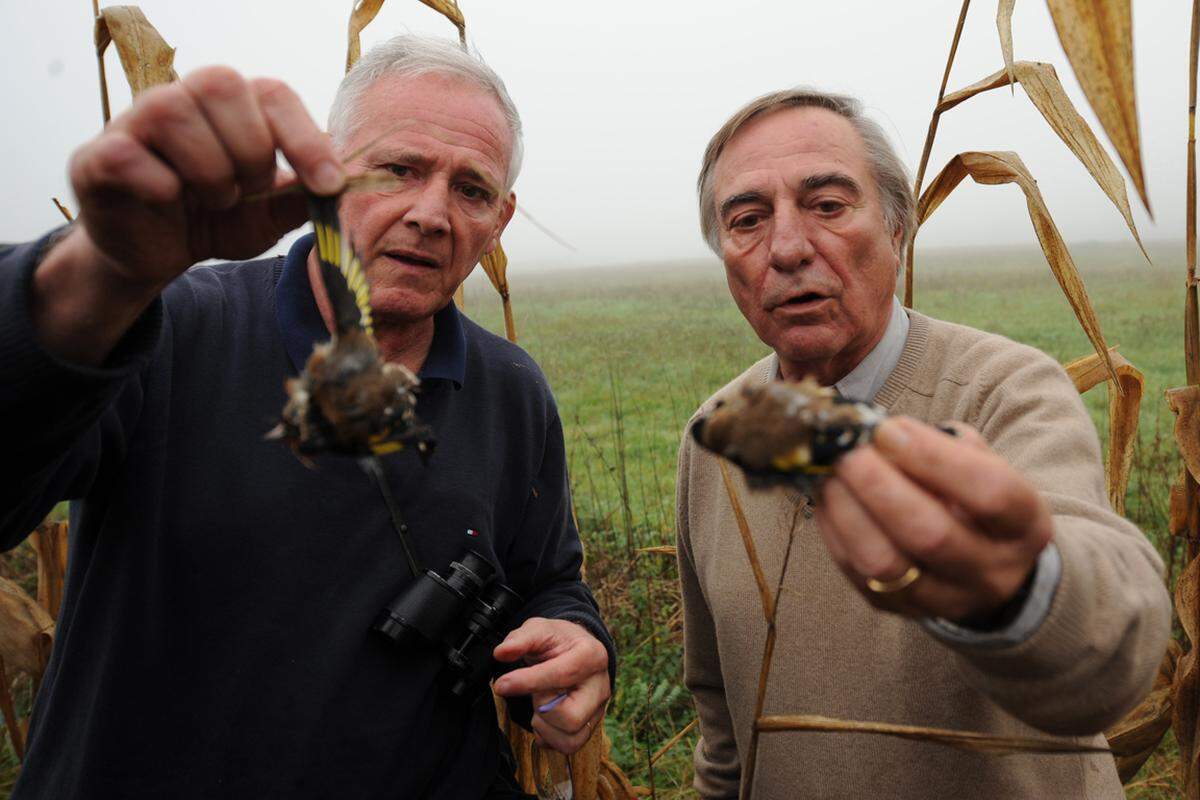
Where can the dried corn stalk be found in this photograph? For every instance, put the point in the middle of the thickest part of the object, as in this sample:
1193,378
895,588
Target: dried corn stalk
960,740
1097,36
929,137
495,264
1136,737
674,740
1006,167
1124,408
1041,83
146,58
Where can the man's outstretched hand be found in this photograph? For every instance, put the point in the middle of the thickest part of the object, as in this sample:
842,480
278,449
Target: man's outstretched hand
563,658
185,174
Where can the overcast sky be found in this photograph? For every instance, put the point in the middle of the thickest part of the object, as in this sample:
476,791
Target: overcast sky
620,97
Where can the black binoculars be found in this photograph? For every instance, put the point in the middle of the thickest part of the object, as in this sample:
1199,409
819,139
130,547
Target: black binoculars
465,613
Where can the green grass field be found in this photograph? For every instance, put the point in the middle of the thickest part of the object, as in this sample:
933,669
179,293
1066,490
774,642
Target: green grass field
631,352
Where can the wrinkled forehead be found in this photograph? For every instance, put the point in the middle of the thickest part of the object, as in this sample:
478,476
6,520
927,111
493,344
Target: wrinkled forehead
440,108
788,145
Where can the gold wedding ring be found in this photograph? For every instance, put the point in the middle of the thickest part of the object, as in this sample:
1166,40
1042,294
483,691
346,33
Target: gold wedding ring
895,584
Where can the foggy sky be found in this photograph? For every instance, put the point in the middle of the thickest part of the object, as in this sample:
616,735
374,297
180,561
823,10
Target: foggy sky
619,98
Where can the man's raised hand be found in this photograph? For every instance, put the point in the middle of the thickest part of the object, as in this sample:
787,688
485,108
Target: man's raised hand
971,524
183,175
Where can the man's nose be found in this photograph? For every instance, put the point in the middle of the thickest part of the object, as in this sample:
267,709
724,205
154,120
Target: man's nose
430,209
791,245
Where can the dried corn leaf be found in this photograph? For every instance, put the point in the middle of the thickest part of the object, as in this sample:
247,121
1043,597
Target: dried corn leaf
538,767
659,550
24,629
1044,89
146,58
66,212
961,740
460,298
1185,694
1004,25
1006,167
1124,408
1185,402
616,784
584,769
450,10
495,264
1136,737
50,543
360,17
1184,519
1097,36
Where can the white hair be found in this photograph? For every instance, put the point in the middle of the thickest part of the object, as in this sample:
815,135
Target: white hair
409,55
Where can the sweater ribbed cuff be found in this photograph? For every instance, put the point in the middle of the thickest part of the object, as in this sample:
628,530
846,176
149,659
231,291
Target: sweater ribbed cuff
1033,612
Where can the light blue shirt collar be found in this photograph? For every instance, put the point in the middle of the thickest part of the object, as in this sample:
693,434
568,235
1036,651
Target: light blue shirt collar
864,381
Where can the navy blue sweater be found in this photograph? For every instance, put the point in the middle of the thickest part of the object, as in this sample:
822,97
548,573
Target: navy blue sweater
214,639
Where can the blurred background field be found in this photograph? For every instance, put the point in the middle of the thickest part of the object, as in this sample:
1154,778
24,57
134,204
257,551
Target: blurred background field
631,350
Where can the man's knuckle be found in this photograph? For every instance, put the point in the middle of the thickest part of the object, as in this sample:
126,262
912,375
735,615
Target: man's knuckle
271,90
162,106
216,83
994,499
931,538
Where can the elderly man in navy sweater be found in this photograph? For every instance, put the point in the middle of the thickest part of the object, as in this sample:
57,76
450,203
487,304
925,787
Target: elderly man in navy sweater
215,638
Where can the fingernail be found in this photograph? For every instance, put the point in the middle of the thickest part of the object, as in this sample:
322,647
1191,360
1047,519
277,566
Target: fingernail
891,436
327,178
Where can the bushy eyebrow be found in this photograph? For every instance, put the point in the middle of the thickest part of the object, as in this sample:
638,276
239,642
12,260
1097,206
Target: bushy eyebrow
823,179
740,199
810,184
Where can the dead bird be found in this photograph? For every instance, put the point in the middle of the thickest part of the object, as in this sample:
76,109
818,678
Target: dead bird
348,400
785,433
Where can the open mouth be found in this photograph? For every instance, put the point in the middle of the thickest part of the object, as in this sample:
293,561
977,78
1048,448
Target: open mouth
806,299
412,259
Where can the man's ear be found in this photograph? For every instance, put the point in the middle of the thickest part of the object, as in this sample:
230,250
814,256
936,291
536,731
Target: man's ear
897,240
506,214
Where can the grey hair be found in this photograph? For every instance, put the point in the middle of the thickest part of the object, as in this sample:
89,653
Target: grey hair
891,178
409,55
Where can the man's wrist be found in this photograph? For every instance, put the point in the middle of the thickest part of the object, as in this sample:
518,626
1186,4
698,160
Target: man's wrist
80,303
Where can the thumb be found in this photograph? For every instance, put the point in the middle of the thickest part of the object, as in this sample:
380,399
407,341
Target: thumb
528,638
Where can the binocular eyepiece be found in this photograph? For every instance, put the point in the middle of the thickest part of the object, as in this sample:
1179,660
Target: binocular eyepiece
466,613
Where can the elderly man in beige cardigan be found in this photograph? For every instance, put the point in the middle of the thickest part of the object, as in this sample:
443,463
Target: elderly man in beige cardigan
978,582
